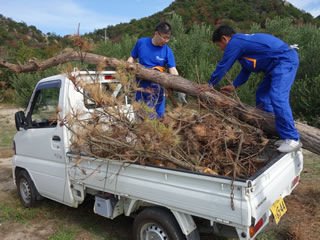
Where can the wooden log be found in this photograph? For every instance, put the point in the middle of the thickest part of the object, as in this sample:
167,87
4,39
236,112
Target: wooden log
310,136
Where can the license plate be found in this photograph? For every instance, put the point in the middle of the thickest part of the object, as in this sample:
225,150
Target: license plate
278,209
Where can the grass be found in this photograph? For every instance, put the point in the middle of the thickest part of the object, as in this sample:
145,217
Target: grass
68,223
13,211
64,233
311,171
267,236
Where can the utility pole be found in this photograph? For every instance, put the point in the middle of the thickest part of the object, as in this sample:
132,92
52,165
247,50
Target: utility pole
105,36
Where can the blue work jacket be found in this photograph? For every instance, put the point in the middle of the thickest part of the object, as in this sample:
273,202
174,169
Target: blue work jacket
258,52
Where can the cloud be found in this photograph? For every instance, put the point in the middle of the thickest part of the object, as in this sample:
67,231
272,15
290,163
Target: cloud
310,6
62,16
315,11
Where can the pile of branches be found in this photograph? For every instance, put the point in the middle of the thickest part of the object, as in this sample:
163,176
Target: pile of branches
191,137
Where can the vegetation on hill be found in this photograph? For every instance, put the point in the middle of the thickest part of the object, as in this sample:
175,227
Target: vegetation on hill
19,42
240,13
11,31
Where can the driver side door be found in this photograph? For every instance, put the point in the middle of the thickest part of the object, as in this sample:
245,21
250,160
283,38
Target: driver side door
40,144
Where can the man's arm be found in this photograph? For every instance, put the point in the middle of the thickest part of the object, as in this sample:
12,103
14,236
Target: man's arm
242,77
231,54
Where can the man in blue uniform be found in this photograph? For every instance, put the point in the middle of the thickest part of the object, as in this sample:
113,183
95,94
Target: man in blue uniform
154,53
279,62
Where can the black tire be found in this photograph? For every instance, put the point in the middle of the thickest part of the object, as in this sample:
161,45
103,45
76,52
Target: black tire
27,191
156,223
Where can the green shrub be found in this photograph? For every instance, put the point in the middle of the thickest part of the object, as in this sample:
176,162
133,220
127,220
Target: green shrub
194,52
305,100
7,95
24,84
120,50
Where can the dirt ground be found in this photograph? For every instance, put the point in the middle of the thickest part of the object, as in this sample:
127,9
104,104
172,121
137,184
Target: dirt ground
301,222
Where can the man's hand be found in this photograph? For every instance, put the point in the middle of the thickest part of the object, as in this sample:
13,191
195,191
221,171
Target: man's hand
131,60
227,89
182,98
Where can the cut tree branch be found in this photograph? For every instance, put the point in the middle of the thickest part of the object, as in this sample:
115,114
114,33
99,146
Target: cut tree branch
310,136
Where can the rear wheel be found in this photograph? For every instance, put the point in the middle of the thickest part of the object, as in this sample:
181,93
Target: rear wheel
26,189
156,224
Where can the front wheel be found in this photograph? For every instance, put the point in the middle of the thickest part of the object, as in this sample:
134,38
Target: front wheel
26,189
157,224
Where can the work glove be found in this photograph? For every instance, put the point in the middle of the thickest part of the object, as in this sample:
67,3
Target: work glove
182,98
294,46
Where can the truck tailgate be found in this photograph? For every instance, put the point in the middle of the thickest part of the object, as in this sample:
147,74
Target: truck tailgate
276,180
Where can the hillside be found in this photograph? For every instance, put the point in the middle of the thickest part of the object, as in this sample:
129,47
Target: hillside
18,41
11,32
239,13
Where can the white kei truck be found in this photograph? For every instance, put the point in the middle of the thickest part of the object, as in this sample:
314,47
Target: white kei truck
166,203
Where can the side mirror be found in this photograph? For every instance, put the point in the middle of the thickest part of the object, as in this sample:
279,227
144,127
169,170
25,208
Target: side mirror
20,119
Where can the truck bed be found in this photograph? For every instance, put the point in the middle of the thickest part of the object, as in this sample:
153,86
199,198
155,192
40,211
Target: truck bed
202,195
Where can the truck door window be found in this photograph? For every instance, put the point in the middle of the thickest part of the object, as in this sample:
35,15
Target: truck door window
44,109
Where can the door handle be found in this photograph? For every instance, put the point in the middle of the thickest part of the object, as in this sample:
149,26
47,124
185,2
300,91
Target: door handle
56,138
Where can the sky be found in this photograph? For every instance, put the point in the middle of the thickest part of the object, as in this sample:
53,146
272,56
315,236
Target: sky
62,17
310,6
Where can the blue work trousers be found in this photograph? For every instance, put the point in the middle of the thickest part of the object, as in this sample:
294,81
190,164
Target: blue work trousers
154,98
273,94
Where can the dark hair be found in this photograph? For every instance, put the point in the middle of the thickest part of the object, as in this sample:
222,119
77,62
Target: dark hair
222,30
163,27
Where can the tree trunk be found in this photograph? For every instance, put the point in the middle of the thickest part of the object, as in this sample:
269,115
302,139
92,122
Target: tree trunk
310,136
